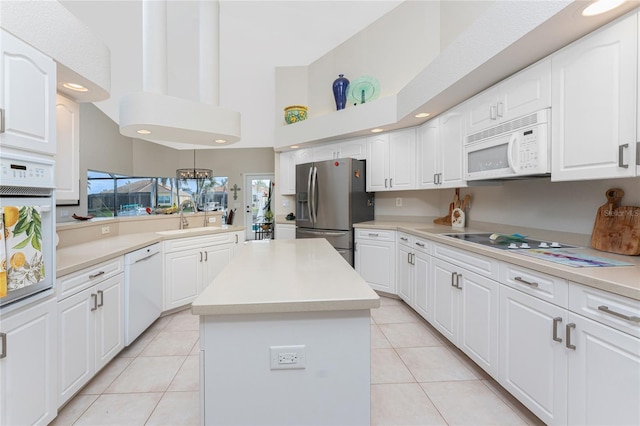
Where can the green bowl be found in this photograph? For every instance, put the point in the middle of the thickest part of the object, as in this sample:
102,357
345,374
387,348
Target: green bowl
295,113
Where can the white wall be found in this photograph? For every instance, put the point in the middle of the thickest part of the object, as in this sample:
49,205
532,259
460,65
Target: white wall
536,203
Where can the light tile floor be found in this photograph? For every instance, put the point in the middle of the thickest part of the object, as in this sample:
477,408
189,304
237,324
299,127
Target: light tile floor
417,378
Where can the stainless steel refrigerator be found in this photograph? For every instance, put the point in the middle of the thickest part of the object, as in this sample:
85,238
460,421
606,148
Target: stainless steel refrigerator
330,198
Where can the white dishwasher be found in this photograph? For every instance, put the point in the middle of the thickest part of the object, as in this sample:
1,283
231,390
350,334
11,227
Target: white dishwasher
142,290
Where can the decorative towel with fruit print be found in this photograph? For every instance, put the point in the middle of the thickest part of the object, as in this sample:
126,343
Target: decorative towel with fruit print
23,246
3,260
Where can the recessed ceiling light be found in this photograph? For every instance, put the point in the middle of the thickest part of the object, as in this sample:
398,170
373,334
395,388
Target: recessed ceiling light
143,132
221,141
377,130
294,146
601,6
422,115
75,87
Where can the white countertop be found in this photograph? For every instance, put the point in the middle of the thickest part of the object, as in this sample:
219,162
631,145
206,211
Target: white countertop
622,280
282,276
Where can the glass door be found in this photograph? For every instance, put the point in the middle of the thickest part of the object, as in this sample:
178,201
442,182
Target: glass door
259,203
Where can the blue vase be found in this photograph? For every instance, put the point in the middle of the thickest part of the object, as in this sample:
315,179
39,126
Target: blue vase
340,91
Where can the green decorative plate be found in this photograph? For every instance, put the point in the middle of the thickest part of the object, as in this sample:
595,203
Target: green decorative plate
363,89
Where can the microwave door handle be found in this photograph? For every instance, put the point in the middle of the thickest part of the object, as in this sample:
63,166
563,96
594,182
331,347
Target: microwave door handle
513,163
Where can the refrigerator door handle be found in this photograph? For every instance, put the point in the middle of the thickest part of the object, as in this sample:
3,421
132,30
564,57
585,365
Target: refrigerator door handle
314,187
309,194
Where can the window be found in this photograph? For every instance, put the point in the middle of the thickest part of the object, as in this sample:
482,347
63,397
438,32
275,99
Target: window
110,194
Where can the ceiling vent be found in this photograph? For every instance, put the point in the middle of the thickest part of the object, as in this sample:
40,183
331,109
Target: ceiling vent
152,114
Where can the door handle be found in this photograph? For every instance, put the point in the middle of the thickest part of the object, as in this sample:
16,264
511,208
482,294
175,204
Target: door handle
95,301
493,114
200,256
568,334
3,349
556,321
385,182
1,120
101,302
453,279
500,110
391,183
236,238
621,156
206,256
458,276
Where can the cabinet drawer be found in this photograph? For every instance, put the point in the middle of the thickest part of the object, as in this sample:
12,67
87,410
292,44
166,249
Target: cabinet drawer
405,239
376,234
474,262
78,281
619,312
543,286
421,245
197,242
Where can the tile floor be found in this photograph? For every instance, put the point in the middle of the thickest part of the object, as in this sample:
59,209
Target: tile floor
417,378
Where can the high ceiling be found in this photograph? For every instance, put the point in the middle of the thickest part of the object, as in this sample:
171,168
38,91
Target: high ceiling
255,37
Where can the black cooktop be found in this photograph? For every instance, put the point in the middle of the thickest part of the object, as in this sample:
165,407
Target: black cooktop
507,242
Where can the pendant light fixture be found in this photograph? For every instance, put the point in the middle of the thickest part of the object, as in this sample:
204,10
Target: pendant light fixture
194,173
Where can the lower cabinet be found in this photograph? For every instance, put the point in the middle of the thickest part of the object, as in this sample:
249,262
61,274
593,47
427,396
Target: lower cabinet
375,258
413,268
190,264
91,333
285,231
28,365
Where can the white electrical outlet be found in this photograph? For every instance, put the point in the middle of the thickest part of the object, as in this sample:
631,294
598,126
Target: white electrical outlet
398,202
64,213
212,220
105,230
288,357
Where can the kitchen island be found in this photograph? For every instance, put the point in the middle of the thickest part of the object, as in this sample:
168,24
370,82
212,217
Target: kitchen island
285,338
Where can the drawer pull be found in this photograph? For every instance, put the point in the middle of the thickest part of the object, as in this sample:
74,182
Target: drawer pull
101,302
606,309
556,321
3,337
404,238
420,245
371,234
95,302
97,274
621,156
529,283
568,334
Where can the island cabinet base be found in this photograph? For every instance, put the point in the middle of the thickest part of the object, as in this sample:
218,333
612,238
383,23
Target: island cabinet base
239,387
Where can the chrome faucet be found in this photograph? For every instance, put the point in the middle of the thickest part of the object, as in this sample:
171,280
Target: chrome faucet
183,220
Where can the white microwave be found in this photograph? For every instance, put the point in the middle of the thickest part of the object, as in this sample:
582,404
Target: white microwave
513,149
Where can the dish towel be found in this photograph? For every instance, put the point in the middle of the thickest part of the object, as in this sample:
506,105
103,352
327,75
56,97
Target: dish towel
22,258
3,259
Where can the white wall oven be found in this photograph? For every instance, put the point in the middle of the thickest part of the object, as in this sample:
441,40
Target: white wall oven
27,228
511,150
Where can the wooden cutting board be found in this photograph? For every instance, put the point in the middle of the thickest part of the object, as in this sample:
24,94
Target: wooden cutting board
617,228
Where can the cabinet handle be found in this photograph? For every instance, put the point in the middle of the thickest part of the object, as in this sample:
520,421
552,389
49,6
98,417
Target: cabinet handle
638,153
493,115
97,274
1,120
355,246
3,338
500,112
606,309
95,302
371,234
458,286
200,256
529,283
404,238
435,178
236,238
556,321
453,279
568,333
621,156
439,178
391,183
385,182
101,302
409,258
413,258
420,245
206,256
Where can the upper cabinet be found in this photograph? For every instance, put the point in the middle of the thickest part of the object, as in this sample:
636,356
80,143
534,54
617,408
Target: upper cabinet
524,93
594,110
27,97
439,150
68,151
391,164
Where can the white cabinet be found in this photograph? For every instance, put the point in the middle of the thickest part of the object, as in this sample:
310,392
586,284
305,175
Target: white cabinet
375,258
391,164
465,302
326,152
190,264
524,93
594,109
28,365
68,151
287,178
533,365
285,231
90,324
413,269
27,97
439,151
352,148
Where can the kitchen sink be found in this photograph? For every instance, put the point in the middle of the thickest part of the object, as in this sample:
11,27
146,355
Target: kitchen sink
202,229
